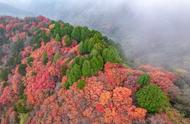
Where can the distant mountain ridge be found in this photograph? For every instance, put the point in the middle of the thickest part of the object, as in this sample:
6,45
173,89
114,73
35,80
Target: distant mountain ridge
6,9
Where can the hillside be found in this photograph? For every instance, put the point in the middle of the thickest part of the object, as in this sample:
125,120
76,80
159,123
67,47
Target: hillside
54,73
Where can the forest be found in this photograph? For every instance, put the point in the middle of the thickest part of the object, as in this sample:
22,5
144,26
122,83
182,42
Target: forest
52,72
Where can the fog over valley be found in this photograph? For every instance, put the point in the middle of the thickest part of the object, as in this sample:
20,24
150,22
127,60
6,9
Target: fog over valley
94,61
155,32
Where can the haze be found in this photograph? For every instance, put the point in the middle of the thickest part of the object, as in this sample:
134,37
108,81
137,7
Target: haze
149,31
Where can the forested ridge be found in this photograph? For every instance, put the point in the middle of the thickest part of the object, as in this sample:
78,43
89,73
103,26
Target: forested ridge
52,72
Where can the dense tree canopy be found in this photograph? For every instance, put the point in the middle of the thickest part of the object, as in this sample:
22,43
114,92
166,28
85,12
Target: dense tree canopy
53,72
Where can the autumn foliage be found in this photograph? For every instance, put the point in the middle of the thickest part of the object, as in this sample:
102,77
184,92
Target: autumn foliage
53,72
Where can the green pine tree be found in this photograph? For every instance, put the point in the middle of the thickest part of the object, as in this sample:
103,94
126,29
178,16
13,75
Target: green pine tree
94,64
81,84
58,38
94,52
45,37
85,33
79,60
76,33
82,47
90,44
100,62
111,54
4,74
77,71
63,70
67,29
73,74
67,40
29,60
22,69
86,68
44,58
56,57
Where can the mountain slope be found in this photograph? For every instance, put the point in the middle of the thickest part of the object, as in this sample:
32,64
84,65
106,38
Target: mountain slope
53,72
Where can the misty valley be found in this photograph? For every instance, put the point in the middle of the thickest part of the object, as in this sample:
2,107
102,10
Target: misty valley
94,62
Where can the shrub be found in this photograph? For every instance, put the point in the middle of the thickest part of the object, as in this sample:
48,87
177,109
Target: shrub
86,68
22,69
144,79
81,84
44,58
29,60
4,74
152,98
